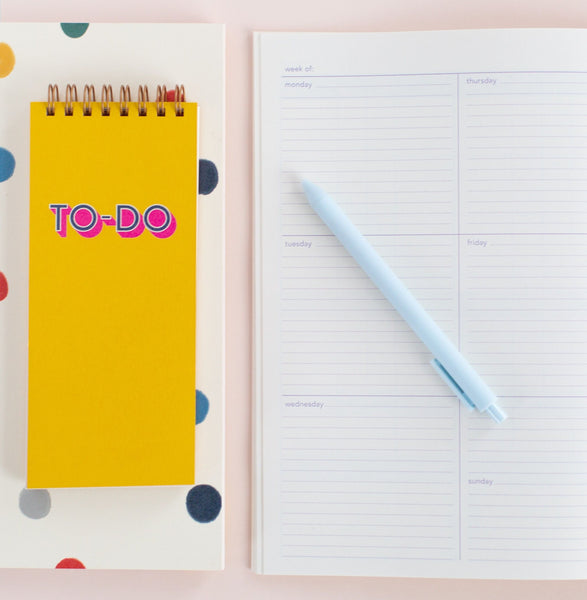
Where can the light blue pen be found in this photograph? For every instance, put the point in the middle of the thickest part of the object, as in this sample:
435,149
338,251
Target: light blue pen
448,361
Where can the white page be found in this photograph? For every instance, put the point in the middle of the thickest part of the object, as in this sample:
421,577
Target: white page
462,157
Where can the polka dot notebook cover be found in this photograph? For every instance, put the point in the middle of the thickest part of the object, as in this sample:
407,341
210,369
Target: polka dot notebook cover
125,443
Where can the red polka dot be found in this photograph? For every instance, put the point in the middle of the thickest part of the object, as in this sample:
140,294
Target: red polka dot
70,563
3,286
170,97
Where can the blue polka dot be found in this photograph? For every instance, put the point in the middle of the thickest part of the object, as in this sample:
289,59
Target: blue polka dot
203,503
7,164
74,30
202,406
208,176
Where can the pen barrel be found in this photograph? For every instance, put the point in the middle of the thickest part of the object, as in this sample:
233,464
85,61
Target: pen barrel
403,301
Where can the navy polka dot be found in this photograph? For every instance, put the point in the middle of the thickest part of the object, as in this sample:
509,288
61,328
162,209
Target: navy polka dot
203,503
34,504
74,30
7,164
208,176
202,406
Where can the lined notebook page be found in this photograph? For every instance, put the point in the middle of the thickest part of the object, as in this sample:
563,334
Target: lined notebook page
524,300
469,178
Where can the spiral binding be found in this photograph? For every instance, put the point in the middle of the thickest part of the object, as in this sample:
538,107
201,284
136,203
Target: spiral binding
107,98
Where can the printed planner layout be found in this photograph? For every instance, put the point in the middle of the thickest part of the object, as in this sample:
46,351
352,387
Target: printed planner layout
472,187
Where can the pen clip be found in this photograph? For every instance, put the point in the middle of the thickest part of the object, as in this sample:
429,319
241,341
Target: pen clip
449,380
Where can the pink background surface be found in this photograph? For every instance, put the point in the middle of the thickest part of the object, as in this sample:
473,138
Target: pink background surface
242,17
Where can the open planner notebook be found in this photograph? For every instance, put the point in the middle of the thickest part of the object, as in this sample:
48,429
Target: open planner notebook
112,383
462,157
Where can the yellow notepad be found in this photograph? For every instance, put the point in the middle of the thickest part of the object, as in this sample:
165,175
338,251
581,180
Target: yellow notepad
112,295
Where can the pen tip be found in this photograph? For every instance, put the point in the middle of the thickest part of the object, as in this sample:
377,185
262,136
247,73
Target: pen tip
497,413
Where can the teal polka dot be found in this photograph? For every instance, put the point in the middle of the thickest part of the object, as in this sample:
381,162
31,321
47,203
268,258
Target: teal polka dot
7,164
202,406
74,30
